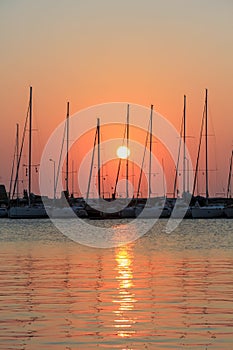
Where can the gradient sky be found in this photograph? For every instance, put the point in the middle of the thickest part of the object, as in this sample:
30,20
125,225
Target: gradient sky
90,52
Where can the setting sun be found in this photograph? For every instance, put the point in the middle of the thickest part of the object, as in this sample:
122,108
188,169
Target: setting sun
123,152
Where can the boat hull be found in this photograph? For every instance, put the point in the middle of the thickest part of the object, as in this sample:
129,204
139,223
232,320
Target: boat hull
128,212
228,212
180,213
27,213
207,212
3,213
152,212
66,213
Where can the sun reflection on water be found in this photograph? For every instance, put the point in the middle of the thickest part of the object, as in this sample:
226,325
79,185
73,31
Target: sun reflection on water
126,299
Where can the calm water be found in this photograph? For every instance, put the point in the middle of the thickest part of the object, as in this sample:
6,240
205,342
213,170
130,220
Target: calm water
164,291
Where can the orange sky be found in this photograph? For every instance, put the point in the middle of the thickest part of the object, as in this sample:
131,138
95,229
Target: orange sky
95,52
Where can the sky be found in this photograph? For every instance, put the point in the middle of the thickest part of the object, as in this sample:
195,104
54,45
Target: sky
93,52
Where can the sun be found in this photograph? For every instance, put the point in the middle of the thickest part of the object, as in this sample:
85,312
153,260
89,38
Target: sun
123,152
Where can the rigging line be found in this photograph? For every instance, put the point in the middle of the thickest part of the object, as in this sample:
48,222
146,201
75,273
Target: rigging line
198,154
37,128
213,145
60,157
103,166
143,159
178,160
92,162
12,170
21,151
119,166
229,178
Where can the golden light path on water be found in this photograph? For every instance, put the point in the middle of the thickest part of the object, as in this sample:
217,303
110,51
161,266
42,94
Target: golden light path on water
126,298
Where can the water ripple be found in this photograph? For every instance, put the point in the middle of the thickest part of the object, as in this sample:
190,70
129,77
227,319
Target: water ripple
164,291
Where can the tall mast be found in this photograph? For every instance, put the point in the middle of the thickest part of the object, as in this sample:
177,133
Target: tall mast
67,148
164,193
92,162
195,181
206,143
184,140
175,189
30,148
150,159
229,178
72,178
127,159
98,142
17,157
143,159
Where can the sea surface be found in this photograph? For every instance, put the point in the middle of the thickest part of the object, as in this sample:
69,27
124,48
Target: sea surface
162,291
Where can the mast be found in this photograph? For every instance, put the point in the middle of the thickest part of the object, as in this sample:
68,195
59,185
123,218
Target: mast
206,143
126,134
175,189
127,159
133,176
184,140
98,142
17,157
143,159
229,177
15,160
92,162
150,159
195,181
30,148
187,175
72,184
67,148
102,180
21,147
163,179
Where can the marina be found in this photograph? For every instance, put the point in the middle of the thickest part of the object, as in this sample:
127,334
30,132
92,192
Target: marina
188,205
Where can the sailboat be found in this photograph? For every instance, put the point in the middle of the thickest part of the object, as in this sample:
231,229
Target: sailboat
31,210
64,210
206,211
91,205
155,210
128,211
181,204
